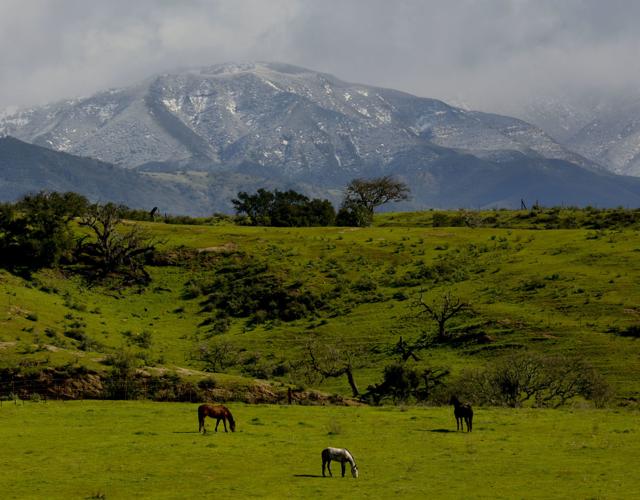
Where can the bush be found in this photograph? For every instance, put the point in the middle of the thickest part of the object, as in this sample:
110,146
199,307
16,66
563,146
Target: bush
630,331
142,339
243,288
284,209
207,383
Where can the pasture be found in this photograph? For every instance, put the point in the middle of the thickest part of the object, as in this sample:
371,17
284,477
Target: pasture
132,449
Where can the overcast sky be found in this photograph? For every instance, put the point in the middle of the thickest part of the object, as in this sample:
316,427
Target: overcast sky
492,54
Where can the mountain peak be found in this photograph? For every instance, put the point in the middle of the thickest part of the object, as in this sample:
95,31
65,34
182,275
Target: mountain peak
285,125
283,116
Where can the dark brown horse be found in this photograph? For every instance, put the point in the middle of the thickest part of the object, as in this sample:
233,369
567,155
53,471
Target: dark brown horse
462,411
218,412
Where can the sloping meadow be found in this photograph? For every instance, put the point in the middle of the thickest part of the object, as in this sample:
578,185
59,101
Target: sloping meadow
261,302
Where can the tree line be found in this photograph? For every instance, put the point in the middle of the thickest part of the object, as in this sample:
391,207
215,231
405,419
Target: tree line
36,231
292,209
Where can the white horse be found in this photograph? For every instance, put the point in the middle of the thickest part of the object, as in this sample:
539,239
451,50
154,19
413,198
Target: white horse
341,455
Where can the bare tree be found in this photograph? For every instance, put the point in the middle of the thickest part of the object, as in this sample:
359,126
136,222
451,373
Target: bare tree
114,247
442,310
216,356
407,350
401,382
329,362
546,381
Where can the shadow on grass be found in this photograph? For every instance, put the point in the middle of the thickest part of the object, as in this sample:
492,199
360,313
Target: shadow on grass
308,475
437,430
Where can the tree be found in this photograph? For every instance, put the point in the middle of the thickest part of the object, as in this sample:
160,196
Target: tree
543,380
400,382
351,214
34,232
441,311
114,249
284,209
365,195
216,355
257,206
329,362
408,350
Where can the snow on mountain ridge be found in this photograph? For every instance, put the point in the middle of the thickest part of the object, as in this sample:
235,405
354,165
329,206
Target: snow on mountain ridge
270,114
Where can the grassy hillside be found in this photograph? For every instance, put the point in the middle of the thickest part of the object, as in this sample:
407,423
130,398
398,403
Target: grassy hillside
152,450
555,291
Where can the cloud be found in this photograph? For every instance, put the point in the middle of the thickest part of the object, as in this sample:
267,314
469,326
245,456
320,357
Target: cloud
492,53
64,48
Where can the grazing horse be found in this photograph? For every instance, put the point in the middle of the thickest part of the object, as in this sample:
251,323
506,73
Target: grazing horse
462,411
341,455
218,412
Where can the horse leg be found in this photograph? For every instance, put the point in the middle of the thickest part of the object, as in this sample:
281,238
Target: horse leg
217,423
343,468
224,422
324,463
329,468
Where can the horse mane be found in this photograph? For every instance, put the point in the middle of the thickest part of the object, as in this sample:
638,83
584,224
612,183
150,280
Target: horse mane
351,455
229,416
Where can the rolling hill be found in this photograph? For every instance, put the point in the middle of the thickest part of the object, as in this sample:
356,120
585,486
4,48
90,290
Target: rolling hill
246,302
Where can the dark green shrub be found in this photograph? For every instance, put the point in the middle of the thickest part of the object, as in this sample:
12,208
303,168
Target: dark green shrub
244,288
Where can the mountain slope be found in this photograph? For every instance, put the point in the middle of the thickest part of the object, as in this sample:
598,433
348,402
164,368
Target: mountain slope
27,168
272,114
244,126
613,138
601,126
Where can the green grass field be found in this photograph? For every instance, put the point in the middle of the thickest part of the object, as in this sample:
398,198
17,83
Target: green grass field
90,449
540,285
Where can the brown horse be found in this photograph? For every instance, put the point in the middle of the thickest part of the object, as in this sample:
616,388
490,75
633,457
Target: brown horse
462,411
218,412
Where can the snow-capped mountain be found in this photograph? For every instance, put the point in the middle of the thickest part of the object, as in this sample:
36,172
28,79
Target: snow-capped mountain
613,138
269,114
243,126
603,126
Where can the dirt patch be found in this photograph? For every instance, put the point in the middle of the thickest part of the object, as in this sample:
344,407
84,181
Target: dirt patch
18,311
226,248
